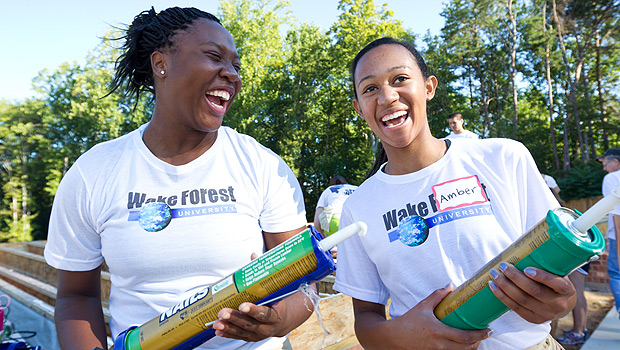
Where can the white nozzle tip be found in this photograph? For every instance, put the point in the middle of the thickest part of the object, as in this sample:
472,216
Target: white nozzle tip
363,228
332,240
597,211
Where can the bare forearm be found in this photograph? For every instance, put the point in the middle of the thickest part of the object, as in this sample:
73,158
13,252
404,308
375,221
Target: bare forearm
299,307
79,323
374,331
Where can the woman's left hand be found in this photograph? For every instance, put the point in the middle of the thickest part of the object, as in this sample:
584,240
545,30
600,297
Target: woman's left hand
536,295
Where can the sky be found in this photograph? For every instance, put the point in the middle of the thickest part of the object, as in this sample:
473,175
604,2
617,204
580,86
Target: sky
43,34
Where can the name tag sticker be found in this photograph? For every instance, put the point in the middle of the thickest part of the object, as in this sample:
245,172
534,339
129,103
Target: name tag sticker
459,193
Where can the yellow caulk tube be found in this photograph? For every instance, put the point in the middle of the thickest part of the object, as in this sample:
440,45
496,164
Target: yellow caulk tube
560,244
302,259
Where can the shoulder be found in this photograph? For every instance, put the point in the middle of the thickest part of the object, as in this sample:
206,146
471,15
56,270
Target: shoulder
368,189
491,145
471,134
612,177
105,155
245,143
500,154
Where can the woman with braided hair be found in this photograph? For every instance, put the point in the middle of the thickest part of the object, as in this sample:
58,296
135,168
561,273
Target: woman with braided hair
177,204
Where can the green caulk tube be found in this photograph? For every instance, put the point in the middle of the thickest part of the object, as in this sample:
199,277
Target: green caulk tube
560,244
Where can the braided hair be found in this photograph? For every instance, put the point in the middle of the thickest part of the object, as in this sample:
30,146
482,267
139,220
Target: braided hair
149,31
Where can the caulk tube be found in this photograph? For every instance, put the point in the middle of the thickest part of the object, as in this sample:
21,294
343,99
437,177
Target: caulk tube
302,259
559,244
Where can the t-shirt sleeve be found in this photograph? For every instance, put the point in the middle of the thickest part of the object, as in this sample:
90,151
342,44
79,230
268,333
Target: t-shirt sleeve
610,183
551,183
73,243
356,274
322,202
283,208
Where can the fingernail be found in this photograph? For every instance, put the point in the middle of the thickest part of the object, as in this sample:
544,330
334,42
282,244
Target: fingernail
448,285
490,332
503,266
245,308
493,273
492,285
530,271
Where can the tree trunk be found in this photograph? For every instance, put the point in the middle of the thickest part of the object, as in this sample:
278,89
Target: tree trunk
513,65
589,140
550,91
601,101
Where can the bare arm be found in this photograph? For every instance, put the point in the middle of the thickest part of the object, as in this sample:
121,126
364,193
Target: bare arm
79,316
556,193
317,221
255,323
418,328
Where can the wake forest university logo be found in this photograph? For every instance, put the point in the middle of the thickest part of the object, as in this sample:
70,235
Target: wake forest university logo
154,214
451,200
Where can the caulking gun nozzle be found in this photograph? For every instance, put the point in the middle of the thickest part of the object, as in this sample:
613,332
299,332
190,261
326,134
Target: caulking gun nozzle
332,240
597,211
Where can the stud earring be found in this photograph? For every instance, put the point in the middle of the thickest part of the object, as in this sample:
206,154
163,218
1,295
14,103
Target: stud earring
162,72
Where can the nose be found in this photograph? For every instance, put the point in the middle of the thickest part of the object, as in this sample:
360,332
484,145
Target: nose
230,73
387,95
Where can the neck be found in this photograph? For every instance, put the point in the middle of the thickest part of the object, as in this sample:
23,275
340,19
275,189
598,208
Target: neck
176,145
417,156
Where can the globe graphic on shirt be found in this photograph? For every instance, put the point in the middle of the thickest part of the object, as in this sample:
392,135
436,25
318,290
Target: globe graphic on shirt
412,230
154,216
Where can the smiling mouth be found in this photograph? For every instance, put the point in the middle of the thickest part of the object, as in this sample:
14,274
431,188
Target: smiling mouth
394,119
218,98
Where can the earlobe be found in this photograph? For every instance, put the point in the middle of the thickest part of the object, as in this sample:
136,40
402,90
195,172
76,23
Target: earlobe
158,63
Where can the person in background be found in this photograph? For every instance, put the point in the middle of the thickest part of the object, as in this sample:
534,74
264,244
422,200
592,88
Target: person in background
555,189
578,334
611,181
177,204
329,206
455,121
437,211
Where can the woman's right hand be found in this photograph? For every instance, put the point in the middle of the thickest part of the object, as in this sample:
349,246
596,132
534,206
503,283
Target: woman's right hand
418,328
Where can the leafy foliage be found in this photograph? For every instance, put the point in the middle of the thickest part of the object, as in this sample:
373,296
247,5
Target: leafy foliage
296,96
582,181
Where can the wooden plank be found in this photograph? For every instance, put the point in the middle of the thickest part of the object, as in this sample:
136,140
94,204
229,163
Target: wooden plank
30,264
39,306
27,282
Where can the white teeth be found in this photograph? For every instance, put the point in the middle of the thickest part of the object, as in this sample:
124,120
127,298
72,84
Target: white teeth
393,116
224,95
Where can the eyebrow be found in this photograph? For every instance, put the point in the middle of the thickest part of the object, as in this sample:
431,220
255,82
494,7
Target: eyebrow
389,70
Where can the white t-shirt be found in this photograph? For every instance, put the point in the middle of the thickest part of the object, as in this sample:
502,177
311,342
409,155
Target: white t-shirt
476,200
610,182
209,221
464,134
334,196
550,181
